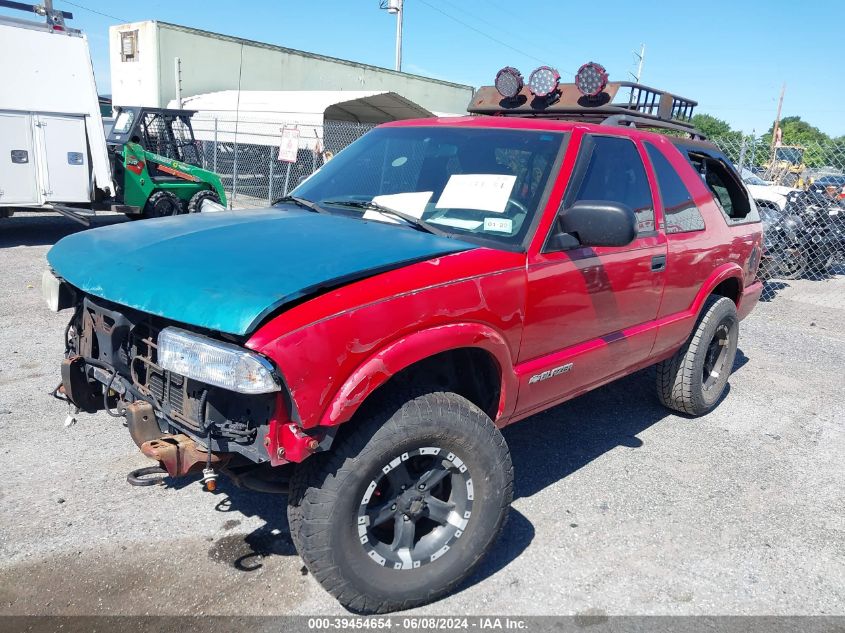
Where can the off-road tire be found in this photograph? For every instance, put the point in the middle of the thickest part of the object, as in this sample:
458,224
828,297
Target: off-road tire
163,204
680,379
327,497
195,203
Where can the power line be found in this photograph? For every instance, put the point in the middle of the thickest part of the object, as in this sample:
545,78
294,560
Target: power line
482,33
105,15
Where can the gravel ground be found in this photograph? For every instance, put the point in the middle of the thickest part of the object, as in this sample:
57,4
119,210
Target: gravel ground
621,508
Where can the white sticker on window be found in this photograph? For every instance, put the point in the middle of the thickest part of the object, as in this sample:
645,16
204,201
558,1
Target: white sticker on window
501,225
469,225
485,192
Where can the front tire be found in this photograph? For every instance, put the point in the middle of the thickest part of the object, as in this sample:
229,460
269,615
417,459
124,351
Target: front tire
694,379
405,505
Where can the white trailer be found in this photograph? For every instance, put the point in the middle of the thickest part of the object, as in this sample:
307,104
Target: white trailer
53,151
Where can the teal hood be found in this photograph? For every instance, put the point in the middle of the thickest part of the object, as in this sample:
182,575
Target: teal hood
227,271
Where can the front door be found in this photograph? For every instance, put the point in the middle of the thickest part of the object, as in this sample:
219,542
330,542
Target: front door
590,310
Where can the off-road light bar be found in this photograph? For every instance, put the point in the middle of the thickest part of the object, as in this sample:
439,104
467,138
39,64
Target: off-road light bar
215,363
591,79
509,82
543,81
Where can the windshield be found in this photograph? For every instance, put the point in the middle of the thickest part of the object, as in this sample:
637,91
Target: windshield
791,155
470,182
124,121
750,178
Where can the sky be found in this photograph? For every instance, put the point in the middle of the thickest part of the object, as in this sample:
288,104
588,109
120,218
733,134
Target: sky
730,56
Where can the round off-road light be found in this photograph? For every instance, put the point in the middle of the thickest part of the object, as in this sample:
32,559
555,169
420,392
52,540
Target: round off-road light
591,79
543,81
509,82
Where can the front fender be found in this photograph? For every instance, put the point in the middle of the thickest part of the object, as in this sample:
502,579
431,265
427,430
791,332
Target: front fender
407,350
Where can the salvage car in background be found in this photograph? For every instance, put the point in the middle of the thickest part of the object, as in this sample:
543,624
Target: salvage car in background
764,193
368,336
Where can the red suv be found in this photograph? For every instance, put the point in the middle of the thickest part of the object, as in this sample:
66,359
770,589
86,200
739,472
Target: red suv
360,344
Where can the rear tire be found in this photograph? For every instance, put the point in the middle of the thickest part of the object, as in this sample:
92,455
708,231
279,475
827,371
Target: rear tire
694,379
378,547
195,203
163,204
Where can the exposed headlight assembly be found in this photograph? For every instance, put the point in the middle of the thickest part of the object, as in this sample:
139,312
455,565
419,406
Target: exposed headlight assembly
220,364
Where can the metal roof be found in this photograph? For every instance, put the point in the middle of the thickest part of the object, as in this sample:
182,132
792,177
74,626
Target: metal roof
260,114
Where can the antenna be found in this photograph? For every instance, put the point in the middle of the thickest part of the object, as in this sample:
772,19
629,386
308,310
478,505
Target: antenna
396,7
641,57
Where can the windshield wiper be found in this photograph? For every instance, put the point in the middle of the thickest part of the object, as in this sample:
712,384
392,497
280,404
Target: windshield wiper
301,202
417,223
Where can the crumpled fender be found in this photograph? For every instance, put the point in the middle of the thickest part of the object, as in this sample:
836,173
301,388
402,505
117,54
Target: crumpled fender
406,351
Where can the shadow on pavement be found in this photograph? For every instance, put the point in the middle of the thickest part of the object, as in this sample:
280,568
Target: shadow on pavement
42,229
545,449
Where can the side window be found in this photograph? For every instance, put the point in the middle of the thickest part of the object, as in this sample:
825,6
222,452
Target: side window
730,195
615,173
679,210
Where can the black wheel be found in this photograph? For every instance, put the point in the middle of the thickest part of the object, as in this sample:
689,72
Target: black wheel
405,505
195,203
162,204
794,263
694,379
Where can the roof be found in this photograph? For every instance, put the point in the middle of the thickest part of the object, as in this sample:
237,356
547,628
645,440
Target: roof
240,40
551,125
260,114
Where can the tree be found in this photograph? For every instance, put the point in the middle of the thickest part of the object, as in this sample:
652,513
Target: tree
721,133
816,143
714,127
798,132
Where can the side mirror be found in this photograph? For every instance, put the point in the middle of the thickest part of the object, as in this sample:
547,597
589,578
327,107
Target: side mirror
594,223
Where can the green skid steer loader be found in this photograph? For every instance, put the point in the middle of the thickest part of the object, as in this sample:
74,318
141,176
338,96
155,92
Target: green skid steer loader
155,164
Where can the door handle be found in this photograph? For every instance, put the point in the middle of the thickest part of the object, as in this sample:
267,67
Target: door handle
658,263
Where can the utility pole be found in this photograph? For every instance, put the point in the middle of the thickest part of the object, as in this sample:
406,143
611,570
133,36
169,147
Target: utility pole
396,7
776,129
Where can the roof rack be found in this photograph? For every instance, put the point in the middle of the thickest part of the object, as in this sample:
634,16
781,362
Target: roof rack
54,18
645,106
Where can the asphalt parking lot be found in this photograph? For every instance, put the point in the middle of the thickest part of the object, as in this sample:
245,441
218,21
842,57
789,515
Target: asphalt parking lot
621,507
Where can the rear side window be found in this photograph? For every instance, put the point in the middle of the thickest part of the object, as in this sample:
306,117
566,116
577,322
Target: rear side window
681,214
725,186
615,173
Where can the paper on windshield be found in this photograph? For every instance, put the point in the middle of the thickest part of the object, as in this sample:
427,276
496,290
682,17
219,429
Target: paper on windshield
411,203
469,225
485,192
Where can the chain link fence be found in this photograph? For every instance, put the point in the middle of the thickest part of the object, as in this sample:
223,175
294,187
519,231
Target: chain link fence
245,154
799,190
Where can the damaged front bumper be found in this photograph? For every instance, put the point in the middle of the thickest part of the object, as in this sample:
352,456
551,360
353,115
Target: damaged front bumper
182,423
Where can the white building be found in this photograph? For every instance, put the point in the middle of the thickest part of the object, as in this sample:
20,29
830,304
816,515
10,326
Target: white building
143,69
